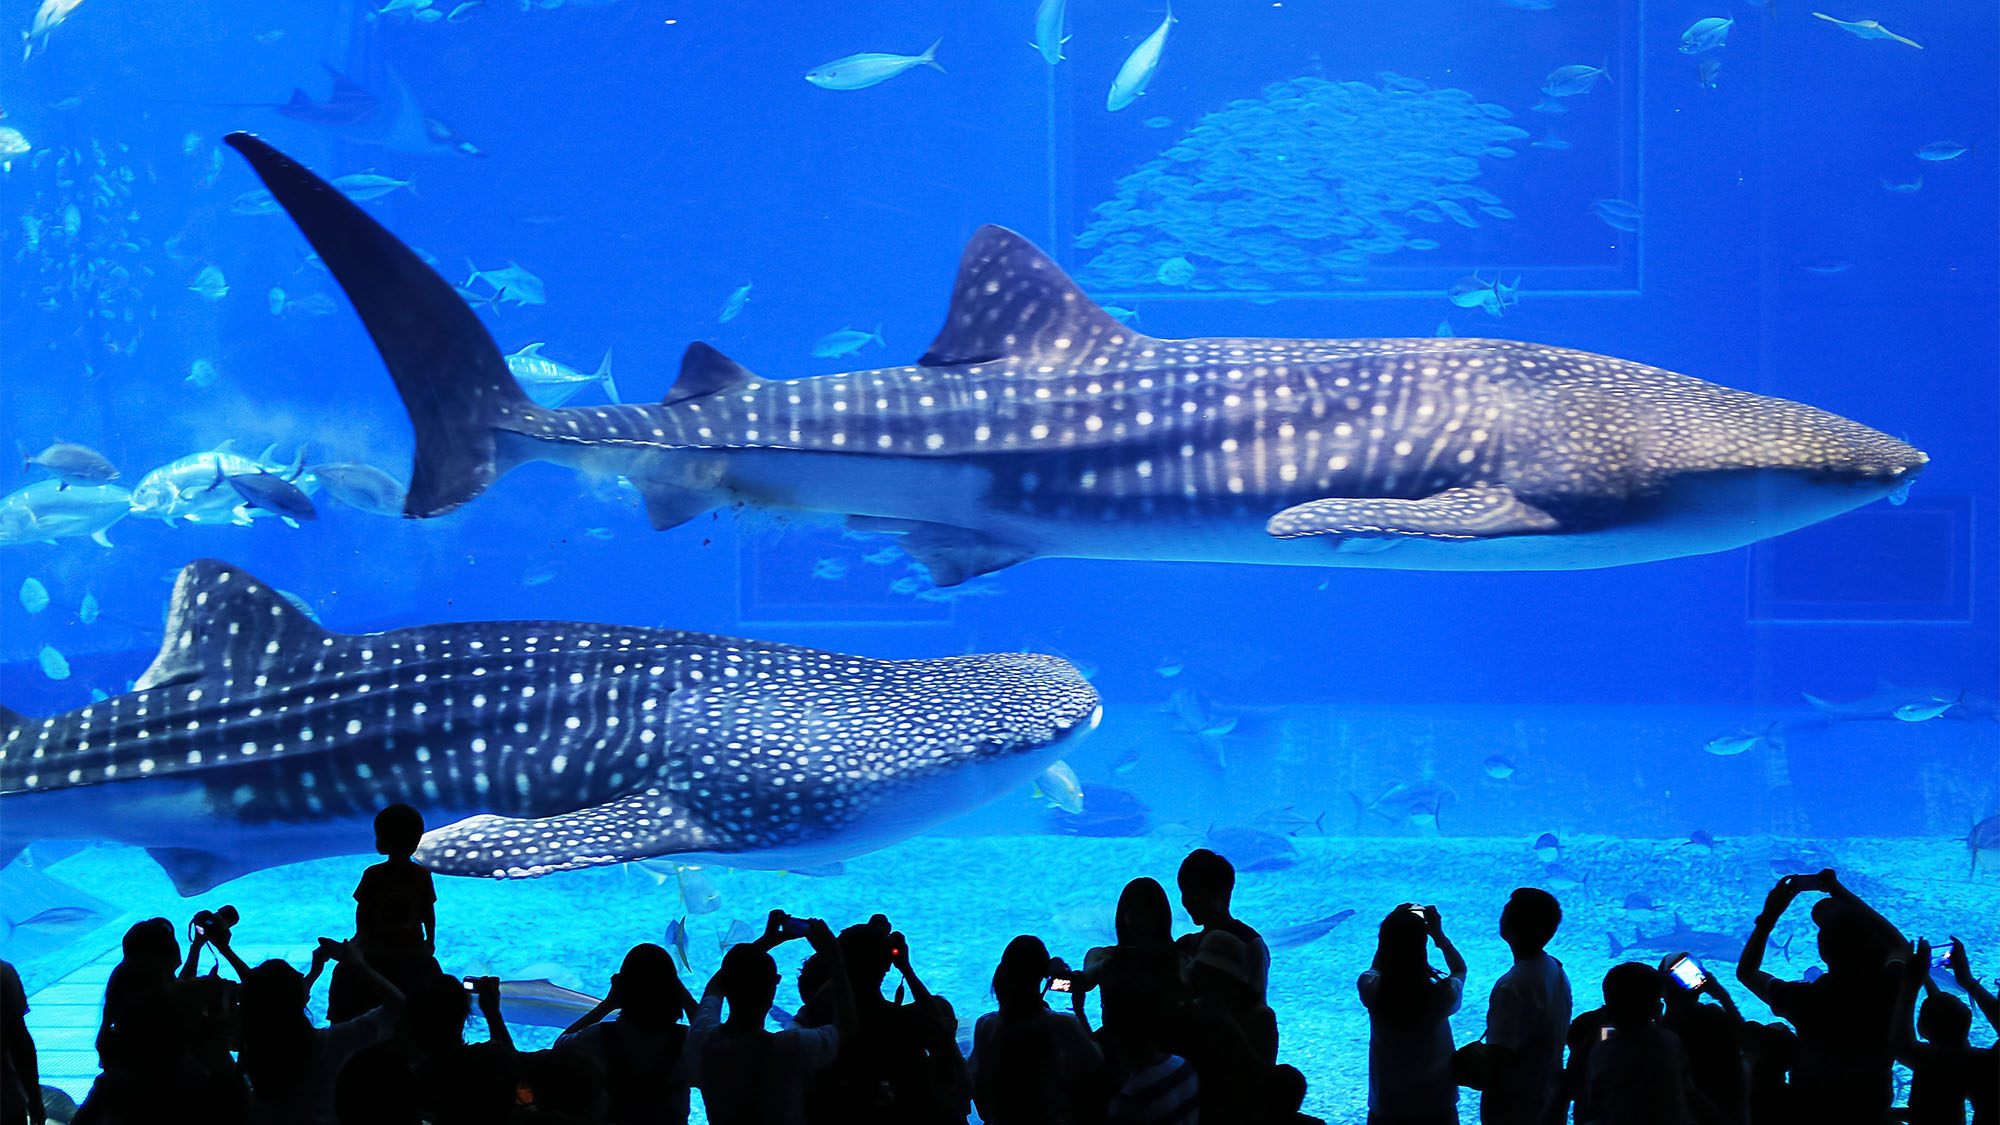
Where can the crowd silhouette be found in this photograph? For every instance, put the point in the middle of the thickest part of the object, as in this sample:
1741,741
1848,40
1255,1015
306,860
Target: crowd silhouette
1187,1033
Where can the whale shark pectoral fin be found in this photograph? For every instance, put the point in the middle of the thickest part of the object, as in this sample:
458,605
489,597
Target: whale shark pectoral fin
618,831
951,554
1477,512
1010,299
195,871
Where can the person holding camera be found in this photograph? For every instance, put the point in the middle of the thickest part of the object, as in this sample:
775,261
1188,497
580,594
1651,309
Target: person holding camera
1945,1069
1712,1035
1027,1060
1638,1072
1409,1007
642,1054
900,1067
750,1076
1845,1017
290,1064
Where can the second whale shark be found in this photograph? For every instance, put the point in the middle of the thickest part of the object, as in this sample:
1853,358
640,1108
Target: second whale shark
1038,425
257,738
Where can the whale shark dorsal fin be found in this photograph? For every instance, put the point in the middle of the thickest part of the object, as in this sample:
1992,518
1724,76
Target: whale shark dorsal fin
1011,300
223,622
705,371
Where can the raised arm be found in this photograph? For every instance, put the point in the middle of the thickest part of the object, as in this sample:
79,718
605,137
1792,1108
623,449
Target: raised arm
1913,969
1961,971
1750,966
1454,963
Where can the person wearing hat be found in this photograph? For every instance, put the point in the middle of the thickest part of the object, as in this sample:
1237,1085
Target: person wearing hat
1235,1035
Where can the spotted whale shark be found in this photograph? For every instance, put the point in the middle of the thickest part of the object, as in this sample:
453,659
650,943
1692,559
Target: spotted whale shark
1038,425
257,738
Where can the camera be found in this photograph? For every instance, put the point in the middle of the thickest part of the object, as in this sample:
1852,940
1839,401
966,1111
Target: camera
209,923
793,927
1062,984
1687,972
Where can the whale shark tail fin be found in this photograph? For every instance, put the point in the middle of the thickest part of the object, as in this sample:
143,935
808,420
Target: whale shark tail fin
1011,300
227,624
452,378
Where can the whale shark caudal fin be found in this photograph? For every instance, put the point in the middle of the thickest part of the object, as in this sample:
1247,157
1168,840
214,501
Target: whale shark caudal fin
452,378
225,624
1011,300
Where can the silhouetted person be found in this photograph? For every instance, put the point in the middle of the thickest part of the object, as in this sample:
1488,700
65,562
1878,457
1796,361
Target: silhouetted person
20,1069
1712,1035
1638,1074
642,1054
1527,1016
1288,1097
1207,881
1770,1050
1153,1086
1027,1061
395,918
1945,1070
750,1076
150,1046
1143,960
1844,1018
893,1069
290,1064
1409,1020
1234,1039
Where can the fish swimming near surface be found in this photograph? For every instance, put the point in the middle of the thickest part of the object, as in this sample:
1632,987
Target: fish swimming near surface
1868,29
551,383
1049,37
858,72
257,738
1036,425
1136,73
1305,933
48,510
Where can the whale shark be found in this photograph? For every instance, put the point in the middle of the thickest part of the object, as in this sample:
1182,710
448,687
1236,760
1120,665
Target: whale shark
257,738
1037,425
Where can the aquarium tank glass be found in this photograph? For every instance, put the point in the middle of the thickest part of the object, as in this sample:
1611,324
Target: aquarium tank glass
947,461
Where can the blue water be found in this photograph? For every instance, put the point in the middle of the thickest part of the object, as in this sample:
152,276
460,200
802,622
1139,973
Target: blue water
646,159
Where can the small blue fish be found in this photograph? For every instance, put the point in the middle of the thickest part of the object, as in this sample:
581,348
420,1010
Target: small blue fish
1617,214
1706,35
1060,786
1927,710
87,610
34,595
1942,150
1499,767
847,341
698,894
830,570
1049,37
733,307
1708,72
1551,142
1570,81
1869,29
54,666
1175,271
1305,933
1136,73
883,557
1548,849
739,932
858,72
1906,188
